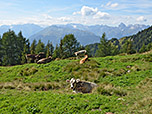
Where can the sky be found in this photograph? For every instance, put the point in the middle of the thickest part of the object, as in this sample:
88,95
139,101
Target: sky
87,12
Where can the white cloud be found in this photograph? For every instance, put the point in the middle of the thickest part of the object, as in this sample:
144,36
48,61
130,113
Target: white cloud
112,5
64,19
87,11
46,16
141,18
101,15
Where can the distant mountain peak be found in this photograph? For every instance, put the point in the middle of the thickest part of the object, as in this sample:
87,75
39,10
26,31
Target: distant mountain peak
122,25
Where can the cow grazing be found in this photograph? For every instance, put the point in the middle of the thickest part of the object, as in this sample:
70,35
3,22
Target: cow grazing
84,59
41,55
80,52
44,60
81,86
31,57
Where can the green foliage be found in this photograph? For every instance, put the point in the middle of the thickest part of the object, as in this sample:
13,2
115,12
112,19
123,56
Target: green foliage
149,47
142,49
128,48
56,53
70,45
104,48
33,46
23,57
129,45
91,49
49,49
142,37
12,48
40,47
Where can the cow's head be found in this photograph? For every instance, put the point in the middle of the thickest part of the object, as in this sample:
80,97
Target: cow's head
73,83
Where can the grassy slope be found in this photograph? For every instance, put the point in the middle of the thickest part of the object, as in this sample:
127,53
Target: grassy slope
33,88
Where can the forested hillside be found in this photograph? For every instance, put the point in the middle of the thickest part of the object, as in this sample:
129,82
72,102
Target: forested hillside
143,37
140,42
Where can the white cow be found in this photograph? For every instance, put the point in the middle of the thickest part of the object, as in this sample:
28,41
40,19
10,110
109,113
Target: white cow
81,86
80,52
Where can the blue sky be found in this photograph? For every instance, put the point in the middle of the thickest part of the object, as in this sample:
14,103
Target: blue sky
89,12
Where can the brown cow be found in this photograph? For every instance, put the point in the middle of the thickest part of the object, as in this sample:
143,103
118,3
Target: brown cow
31,57
41,55
44,60
84,59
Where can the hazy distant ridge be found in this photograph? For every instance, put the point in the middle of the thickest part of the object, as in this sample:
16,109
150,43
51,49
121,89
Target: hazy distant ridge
84,34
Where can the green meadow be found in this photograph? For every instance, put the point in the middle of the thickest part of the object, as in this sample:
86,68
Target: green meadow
124,86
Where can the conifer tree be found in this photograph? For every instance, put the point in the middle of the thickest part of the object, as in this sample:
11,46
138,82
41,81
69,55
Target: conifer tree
149,47
24,52
9,46
104,48
61,55
142,49
1,51
12,46
70,45
56,53
33,46
128,48
40,47
49,49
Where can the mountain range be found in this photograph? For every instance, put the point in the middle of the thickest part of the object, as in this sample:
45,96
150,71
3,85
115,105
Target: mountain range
111,32
85,34
27,29
55,33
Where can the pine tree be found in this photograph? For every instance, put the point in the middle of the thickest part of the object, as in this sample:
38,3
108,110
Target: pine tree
9,46
104,48
61,55
128,48
40,47
49,49
149,47
1,51
33,46
56,53
142,49
114,50
12,46
70,45
23,58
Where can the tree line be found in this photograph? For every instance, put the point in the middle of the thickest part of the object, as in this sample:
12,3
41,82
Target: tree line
13,48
